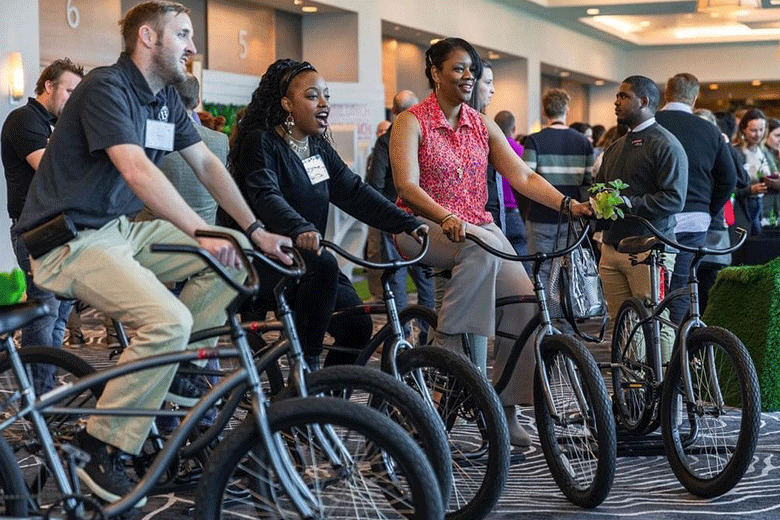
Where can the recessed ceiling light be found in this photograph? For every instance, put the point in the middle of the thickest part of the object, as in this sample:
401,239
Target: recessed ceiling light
592,11
756,82
298,2
599,82
564,74
494,55
309,9
615,23
397,28
644,23
714,86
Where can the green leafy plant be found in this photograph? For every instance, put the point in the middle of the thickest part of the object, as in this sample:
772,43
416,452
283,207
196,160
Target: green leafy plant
606,198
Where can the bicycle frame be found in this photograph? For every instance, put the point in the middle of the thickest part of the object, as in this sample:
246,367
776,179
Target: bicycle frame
36,408
682,331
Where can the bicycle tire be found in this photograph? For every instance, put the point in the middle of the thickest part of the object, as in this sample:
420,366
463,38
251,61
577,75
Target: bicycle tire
470,409
707,469
580,452
395,399
13,489
635,394
21,436
240,458
418,323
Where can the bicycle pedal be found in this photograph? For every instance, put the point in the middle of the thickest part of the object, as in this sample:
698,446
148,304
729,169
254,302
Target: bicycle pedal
77,455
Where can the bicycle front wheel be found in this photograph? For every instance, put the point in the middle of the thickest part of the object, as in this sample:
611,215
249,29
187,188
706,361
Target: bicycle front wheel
380,471
578,434
634,382
475,423
396,400
13,490
710,442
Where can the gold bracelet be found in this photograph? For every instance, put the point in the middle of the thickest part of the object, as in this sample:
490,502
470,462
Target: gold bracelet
445,219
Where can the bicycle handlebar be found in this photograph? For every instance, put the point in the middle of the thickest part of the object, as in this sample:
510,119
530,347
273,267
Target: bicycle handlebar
673,243
249,287
395,264
297,270
537,257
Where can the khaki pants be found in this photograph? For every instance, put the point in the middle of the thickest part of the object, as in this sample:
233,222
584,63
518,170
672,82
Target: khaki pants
621,281
468,303
113,270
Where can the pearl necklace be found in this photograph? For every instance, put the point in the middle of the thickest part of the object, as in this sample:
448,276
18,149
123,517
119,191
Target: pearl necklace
298,146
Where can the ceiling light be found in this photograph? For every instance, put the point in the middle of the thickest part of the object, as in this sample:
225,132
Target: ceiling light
713,86
397,28
492,55
614,23
564,74
309,9
298,2
644,23
756,82
435,41
592,11
599,82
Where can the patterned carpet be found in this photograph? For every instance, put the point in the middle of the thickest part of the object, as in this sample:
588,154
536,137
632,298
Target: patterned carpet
644,486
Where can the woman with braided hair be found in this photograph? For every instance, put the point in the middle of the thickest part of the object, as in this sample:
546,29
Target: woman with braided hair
289,172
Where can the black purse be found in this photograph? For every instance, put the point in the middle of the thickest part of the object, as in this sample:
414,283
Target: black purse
575,291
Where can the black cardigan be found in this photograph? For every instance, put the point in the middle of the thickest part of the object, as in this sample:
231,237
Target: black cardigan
274,181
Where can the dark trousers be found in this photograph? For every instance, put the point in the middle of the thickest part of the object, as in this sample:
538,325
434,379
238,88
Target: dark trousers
45,331
323,289
682,264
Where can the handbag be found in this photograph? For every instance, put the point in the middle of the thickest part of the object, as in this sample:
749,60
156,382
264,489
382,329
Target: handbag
575,291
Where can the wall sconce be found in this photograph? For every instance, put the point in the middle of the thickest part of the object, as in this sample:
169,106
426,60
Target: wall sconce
15,78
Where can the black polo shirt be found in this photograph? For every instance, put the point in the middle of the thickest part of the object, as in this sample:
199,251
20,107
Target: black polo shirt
26,130
110,106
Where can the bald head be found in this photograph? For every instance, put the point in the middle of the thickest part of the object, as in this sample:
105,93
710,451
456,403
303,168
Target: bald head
404,100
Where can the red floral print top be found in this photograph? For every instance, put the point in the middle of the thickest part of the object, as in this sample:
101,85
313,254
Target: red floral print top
453,163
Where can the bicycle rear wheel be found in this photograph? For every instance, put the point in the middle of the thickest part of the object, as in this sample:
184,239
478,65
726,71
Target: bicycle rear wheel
21,435
475,423
710,445
634,383
578,435
383,474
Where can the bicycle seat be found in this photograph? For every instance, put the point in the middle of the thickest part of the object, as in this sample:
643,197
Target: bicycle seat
636,245
16,316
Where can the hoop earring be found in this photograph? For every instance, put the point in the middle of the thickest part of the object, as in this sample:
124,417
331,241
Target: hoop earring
289,122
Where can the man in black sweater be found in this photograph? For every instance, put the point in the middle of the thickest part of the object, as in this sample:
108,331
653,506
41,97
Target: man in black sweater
654,165
711,176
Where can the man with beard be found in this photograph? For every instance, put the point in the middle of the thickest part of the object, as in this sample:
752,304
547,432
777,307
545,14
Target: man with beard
654,165
100,167
25,135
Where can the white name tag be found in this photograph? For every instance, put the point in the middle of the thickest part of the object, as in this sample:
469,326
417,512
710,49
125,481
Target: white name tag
159,135
315,169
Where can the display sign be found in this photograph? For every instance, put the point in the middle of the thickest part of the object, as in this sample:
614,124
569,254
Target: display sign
241,37
85,31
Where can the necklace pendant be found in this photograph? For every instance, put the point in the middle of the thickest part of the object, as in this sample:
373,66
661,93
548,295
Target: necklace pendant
460,172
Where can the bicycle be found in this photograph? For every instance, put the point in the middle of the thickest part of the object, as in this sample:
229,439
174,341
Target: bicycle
461,395
403,481
571,403
357,383
708,386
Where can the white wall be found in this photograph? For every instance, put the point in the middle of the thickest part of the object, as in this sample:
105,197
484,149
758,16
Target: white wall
602,105
18,32
511,83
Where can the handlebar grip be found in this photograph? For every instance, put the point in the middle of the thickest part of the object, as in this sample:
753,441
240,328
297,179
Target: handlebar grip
296,271
250,286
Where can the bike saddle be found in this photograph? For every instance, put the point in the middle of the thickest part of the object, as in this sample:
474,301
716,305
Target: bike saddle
636,245
18,315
